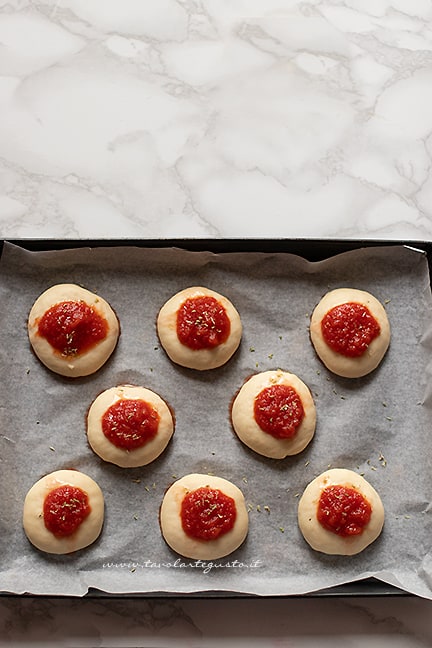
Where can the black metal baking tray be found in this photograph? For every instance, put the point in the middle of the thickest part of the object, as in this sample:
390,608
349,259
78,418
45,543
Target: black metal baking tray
310,249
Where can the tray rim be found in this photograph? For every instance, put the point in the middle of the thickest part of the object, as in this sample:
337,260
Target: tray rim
204,243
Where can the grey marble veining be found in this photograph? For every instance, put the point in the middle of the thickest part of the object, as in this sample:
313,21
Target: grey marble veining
216,118
276,623
213,118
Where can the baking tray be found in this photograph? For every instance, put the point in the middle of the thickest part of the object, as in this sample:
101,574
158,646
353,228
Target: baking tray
310,249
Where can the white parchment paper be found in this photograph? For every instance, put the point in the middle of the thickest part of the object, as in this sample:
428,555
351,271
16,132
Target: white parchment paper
380,425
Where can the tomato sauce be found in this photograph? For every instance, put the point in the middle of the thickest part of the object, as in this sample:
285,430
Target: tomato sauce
343,510
207,513
278,410
72,327
130,423
64,510
349,329
202,323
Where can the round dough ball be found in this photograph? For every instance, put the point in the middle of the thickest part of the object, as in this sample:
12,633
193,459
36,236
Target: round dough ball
183,355
325,541
248,430
171,524
338,363
122,457
33,518
80,364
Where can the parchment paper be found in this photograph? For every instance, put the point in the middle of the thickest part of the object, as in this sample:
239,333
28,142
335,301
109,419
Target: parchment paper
379,425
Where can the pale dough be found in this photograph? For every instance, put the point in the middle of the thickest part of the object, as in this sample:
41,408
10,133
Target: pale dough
336,362
85,363
171,525
326,541
119,456
33,520
248,430
181,354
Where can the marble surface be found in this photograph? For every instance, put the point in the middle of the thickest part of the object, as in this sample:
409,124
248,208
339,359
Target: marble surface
215,118
209,119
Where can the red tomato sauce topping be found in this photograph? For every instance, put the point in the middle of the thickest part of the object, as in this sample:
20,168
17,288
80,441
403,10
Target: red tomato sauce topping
130,423
278,411
343,510
72,327
202,323
349,328
207,513
64,509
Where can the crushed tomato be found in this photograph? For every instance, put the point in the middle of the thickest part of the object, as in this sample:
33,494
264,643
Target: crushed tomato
72,327
202,323
130,423
278,410
343,510
349,329
207,513
64,510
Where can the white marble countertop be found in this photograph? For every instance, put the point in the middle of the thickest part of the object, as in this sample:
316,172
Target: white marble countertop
216,119
165,118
